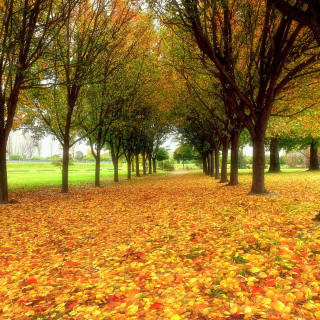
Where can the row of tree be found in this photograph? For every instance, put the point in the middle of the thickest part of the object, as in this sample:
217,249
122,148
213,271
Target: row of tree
240,63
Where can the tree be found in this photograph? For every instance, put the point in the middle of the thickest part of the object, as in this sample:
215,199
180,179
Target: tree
27,29
253,64
77,53
79,155
305,12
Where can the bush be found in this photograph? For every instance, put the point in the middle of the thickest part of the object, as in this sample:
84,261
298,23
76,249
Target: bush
105,158
168,165
89,157
37,158
16,157
57,162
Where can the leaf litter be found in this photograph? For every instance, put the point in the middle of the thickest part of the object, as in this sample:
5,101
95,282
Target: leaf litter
163,247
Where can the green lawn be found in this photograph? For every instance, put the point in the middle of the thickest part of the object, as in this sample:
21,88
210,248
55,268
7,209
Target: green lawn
33,178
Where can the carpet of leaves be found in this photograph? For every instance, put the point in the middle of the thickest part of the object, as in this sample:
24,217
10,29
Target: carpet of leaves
163,247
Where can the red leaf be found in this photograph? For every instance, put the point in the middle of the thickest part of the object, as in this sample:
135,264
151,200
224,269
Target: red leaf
71,306
296,270
32,280
70,243
271,283
156,306
194,240
257,290
113,298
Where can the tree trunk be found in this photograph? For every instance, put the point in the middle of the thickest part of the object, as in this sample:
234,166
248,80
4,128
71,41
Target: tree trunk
212,163
3,173
144,163
274,156
132,165
209,163
216,156
65,165
150,165
314,159
116,170
129,167
234,158
97,171
137,165
154,161
204,163
224,165
258,165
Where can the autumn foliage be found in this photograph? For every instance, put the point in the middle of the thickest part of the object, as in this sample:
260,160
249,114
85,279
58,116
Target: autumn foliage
165,247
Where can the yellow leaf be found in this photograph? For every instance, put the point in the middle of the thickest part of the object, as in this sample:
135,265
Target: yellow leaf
266,301
308,305
317,314
132,310
233,310
278,305
175,317
247,310
96,312
255,269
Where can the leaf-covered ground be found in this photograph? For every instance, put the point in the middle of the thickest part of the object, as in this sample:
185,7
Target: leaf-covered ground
163,247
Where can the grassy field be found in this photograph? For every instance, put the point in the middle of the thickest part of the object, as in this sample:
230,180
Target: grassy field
33,178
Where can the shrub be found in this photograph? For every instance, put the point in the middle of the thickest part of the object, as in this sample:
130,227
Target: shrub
37,158
89,157
168,165
57,162
79,155
16,157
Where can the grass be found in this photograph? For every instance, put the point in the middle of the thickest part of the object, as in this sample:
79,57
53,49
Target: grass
32,178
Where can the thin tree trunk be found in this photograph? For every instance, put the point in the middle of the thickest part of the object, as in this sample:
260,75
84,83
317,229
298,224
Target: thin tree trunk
216,156
274,156
129,166
314,159
209,163
150,165
3,173
144,163
212,163
65,165
154,161
137,165
115,170
258,165
224,165
204,163
97,171
234,158
132,165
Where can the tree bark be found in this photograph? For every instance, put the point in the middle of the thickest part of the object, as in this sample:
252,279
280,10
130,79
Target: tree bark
129,167
258,165
204,163
212,163
137,165
209,163
154,161
65,165
150,165
314,159
116,170
144,163
234,158
97,171
274,156
3,173
224,165
216,156
132,165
